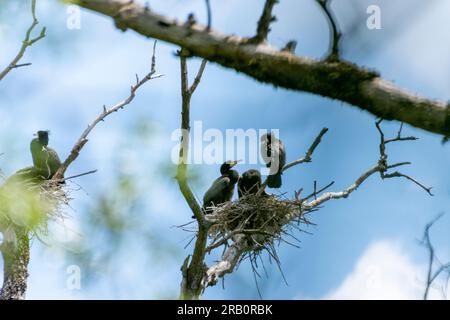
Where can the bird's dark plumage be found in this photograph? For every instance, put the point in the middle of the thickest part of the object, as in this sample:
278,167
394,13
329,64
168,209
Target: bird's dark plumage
274,154
222,188
45,159
249,183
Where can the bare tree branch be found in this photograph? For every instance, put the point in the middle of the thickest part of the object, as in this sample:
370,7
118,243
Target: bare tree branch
208,14
307,157
193,270
381,167
333,54
383,158
433,273
101,117
339,80
229,260
264,22
27,42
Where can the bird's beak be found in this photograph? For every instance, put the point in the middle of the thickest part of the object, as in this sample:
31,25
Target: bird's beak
234,162
35,134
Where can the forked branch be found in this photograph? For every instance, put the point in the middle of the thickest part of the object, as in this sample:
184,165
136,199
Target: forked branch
193,268
434,271
106,112
27,42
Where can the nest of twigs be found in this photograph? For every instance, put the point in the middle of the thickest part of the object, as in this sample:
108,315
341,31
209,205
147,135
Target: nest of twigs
260,218
28,203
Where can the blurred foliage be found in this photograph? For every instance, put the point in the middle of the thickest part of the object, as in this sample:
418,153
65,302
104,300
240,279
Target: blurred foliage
118,220
25,204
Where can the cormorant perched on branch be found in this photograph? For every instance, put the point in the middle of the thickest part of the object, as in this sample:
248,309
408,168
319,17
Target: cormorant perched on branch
45,159
274,154
249,183
222,188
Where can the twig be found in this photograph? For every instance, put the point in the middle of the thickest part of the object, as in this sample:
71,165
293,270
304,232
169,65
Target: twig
27,42
316,192
101,117
333,54
264,22
383,157
307,157
432,275
209,15
381,167
79,175
20,65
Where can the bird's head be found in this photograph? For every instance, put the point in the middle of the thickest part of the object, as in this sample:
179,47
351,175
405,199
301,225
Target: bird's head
42,136
252,174
227,165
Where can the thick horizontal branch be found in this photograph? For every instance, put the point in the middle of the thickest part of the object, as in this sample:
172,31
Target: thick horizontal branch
336,80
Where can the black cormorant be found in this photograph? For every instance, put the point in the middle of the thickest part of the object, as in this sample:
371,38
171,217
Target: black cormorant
249,183
274,154
222,188
45,159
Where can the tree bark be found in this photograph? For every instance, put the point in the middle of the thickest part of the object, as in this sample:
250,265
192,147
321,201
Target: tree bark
16,256
339,80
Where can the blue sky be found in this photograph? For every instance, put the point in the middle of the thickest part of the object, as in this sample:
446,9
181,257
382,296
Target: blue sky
360,244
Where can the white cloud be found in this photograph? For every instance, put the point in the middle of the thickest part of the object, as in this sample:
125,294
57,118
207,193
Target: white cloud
384,271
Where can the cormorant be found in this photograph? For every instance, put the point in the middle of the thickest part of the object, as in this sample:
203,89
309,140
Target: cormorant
249,183
274,154
222,188
45,159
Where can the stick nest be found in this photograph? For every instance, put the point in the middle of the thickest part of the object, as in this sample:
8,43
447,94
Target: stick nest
28,204
260,218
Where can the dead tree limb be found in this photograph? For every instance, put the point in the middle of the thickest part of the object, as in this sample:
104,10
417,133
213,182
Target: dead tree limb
338,80
433,271
27,42
264,22
74,153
